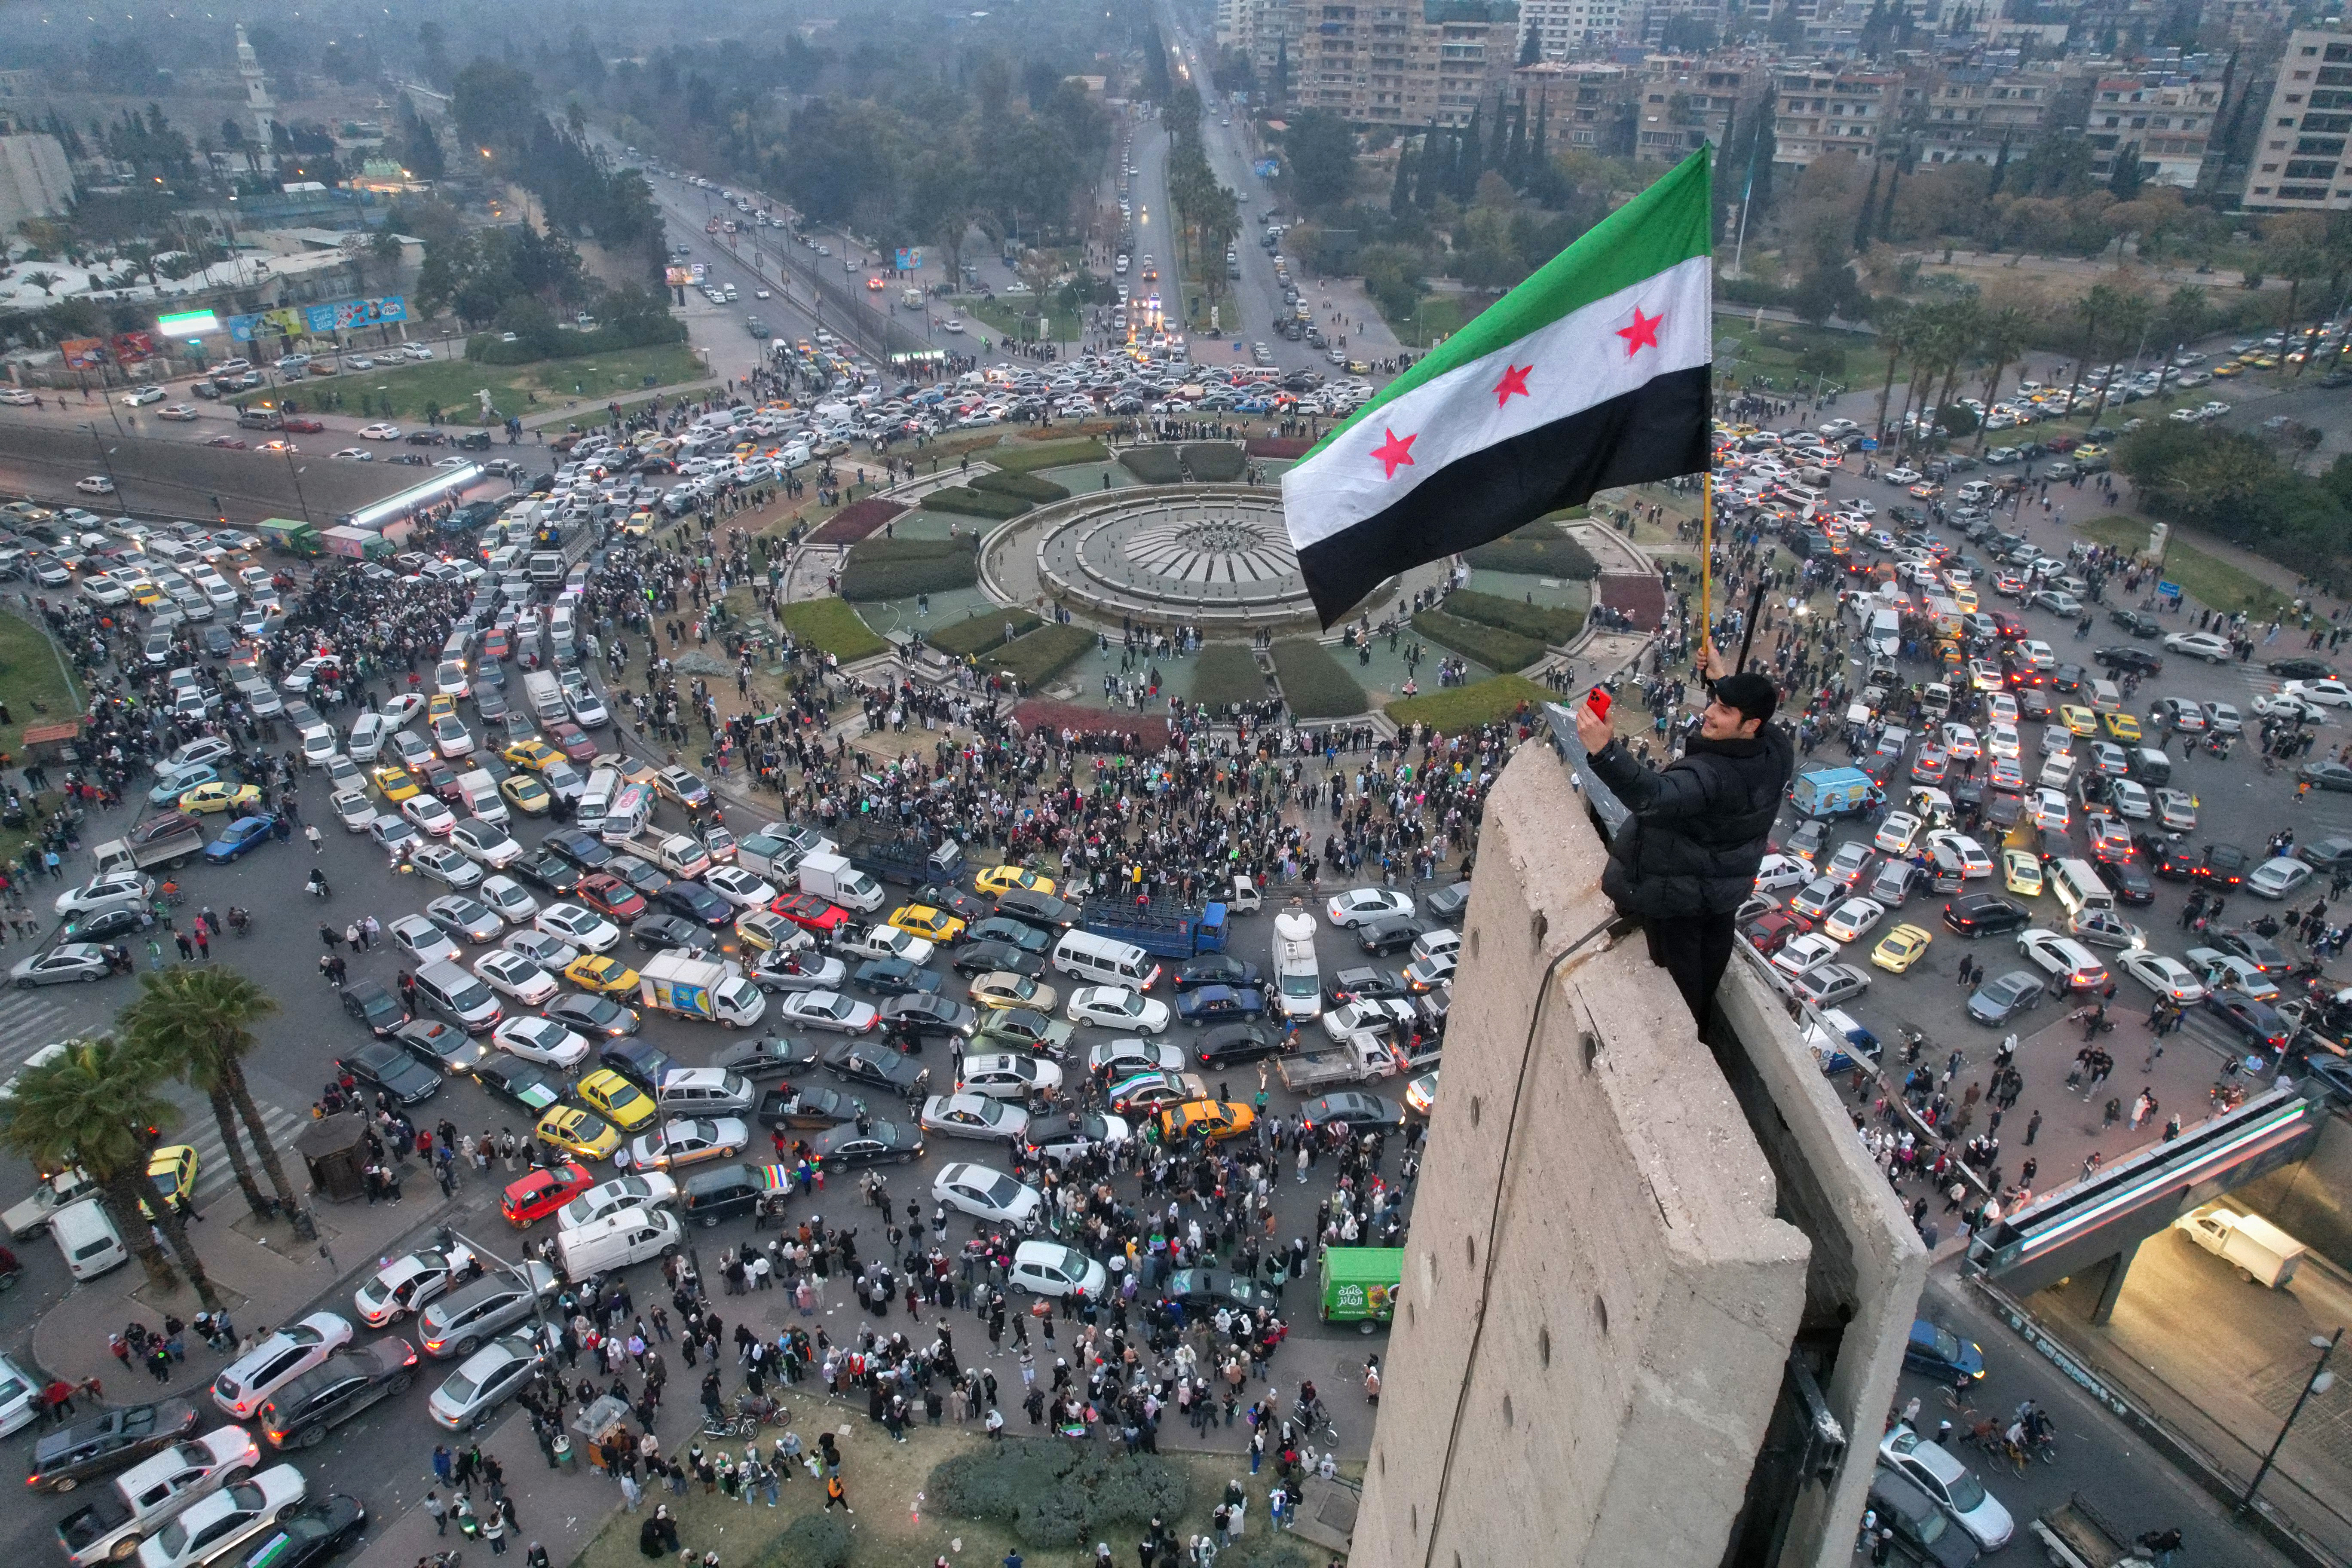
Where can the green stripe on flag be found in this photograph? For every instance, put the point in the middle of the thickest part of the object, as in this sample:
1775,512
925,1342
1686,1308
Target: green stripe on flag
1664,225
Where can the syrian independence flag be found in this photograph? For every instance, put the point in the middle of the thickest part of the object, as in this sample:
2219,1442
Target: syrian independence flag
1592,373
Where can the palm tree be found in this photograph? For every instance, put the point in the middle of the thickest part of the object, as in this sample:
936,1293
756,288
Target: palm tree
2128,322
2006,332
45,281
1894,335
193,1023
91,1107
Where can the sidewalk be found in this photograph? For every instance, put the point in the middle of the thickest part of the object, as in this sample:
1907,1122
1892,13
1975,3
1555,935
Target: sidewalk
559,1510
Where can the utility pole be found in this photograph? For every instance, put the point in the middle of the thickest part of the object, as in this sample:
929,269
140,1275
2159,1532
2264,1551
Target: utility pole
2320,1382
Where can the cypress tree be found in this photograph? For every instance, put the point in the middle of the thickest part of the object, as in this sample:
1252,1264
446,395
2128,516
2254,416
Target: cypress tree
1886,214
2000,168
1400,193
1862,223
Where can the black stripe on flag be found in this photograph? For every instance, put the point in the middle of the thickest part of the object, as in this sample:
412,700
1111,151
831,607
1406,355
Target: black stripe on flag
1657,431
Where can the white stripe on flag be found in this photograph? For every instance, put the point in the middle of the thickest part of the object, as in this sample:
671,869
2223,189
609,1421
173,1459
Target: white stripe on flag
1577,363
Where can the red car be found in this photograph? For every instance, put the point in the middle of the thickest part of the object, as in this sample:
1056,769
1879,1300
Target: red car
608,895
572,740
495,644
233,443
302,425
438,779
809,912
1767,932
541,1193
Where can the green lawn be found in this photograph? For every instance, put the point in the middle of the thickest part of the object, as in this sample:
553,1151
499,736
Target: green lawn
1028,457
1772,353
1314,683
833,626
405,392
2206,578
34,685
1004,318
1462,708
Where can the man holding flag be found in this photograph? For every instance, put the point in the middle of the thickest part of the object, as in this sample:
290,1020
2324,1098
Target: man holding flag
1592,374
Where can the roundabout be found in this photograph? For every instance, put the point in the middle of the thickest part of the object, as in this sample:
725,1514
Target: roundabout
1213,554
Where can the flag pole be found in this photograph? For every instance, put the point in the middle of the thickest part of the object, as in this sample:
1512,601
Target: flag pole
1705,559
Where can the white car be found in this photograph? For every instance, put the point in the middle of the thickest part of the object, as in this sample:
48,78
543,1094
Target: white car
973,1116
444,866
1357,905
216,1526
510,897
742,889
353,809
2328,691
1895,835
2198,645
1117,1007
179,412
689,1140
429,814
2075,966
354,454
2164,976
611,1197
511,974
451,737
2000,742
1974,861
486,842
140,396
1854,920
540,1040
2290,704
482,1382
1049,1269
1112,1061
2130,799
242,1386
1781,872
828,1010
987,1195
1804,951
95,485
1960,741
583,927
1931,1468
1002,1074
408,1285
415,351
379,432
419,941
545,947
2278,878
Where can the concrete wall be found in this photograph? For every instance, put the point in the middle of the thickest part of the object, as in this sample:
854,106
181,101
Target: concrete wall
1600,1292
2311,1200
35,179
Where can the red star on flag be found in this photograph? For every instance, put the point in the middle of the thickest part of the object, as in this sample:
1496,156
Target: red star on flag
1642,333
1396,453
1514,383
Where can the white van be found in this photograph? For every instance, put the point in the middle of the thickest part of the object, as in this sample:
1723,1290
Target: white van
2078,887
1102,961
705,1092
2058,770
588,811
628,814
617,1240
318,745
482,797
368,732
88,1238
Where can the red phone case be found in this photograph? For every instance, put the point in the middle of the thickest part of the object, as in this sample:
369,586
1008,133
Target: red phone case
1600,701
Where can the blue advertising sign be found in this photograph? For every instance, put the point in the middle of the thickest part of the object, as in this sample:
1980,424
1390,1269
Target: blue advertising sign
1266,168
1868,445
343,315
910,259
2170,590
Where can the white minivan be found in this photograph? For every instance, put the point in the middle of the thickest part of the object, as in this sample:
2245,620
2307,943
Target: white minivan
1104,961
88,1238
366,741
617,1240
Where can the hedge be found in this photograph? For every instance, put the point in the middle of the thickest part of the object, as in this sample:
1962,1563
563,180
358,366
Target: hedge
658,327
1490,645
832,625
1042,654
1314,684
1539,550
1026,456
899,568
1055,1493
1542,622
1021,487
855,521
816,1541
1455,708
981,632
1227,672
972,502
1215,462
1153,465
1264,1549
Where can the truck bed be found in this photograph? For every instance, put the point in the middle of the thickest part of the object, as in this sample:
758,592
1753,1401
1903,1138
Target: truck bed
105,1513
2075,1535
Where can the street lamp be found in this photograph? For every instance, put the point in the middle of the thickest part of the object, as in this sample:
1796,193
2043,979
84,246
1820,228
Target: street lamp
298,498
106,461
2320,1382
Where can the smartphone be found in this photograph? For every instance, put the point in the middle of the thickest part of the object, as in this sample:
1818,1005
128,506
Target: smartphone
1599,699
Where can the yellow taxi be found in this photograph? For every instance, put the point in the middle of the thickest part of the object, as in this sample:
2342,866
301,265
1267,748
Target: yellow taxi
2021,870
394,782
764,930
628,1106
999,990
921,919
591,972
527,795
2093,450
1004,878
441,704
2227,369
578,1134
145,594
2260,362
2078,720
638,525
219,796
1966,598
533,754
1217,1120
1899,949
2122,726
172,1169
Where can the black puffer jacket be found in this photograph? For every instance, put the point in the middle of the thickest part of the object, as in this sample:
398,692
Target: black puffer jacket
1698,827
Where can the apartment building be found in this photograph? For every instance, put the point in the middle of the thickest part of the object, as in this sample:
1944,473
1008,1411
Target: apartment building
1566,27
2299,163
1405,64
1966,113
2165,118
1824,111
1686,104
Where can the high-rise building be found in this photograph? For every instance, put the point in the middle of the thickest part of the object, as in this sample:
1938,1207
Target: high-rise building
2299,161
1403,64
2165,120
1825,113
1965,114
1565,29
258,100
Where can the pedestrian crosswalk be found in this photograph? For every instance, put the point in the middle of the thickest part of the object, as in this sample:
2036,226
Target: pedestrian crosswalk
31,1020
201,1132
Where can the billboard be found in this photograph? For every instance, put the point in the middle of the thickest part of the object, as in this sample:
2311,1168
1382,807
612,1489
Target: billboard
678,277
83,353
346,315
290,323
129,348
188,324
910,259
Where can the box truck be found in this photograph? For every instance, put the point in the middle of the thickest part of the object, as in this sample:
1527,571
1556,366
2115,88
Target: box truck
677,983
831,876
2259,1251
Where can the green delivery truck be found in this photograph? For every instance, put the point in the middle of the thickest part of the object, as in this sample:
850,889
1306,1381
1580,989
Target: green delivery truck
289,537
1359,1284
